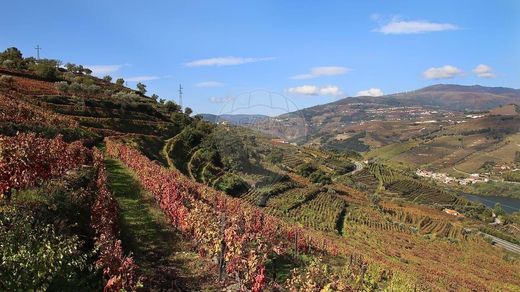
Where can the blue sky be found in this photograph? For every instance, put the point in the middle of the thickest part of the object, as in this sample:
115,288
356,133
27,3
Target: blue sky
312,52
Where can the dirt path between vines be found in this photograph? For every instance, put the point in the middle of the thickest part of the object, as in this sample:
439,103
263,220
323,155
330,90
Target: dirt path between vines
165,258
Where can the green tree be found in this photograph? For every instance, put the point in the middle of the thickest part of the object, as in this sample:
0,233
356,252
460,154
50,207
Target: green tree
12,58
141,87
305,169
154,97
231,184
71,67
120,81
46,68
172,106
107,78
188,111
320,177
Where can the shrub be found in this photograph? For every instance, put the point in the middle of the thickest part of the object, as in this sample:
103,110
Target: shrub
128,96
305,169
275,156
375,199
320,177
9,64
120,81
6,79
75,88
34,255
93,89
46,68
107,78
62,86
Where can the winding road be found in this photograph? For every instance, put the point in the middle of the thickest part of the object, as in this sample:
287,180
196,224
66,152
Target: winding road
502,243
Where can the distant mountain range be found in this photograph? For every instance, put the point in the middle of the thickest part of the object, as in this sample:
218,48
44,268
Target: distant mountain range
443,96
352,113
238,119
348,114
457,97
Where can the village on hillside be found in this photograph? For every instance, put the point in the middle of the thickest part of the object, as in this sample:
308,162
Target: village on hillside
446,179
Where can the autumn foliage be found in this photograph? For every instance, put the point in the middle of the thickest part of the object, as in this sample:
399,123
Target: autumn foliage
239,236
121,271
26,160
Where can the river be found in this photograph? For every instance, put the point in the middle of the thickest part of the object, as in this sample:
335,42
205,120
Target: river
509,205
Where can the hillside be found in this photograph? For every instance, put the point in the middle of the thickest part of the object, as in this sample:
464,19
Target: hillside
446,96
110,188
367,123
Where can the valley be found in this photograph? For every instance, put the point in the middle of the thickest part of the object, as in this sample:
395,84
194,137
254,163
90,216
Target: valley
179,199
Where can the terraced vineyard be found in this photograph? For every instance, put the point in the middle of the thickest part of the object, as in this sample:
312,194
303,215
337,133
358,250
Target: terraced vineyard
380,225
324,212
421,193
413,189
428,225
260,196
291,160
385,174
365,181
280,205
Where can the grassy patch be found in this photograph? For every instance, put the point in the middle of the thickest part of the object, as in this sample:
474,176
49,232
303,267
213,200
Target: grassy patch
164,256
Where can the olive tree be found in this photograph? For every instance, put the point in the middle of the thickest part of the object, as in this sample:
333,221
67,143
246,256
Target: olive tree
141,87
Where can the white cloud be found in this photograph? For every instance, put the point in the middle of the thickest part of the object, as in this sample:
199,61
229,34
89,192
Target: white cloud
225,61
444,72
484,71
322,71
398,26
224,99
207,84
330,90
141,78
101,70
370,92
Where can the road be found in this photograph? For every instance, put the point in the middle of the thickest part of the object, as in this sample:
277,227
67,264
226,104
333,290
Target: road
502,243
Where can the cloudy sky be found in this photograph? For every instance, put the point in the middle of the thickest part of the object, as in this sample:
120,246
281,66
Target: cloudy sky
312,52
